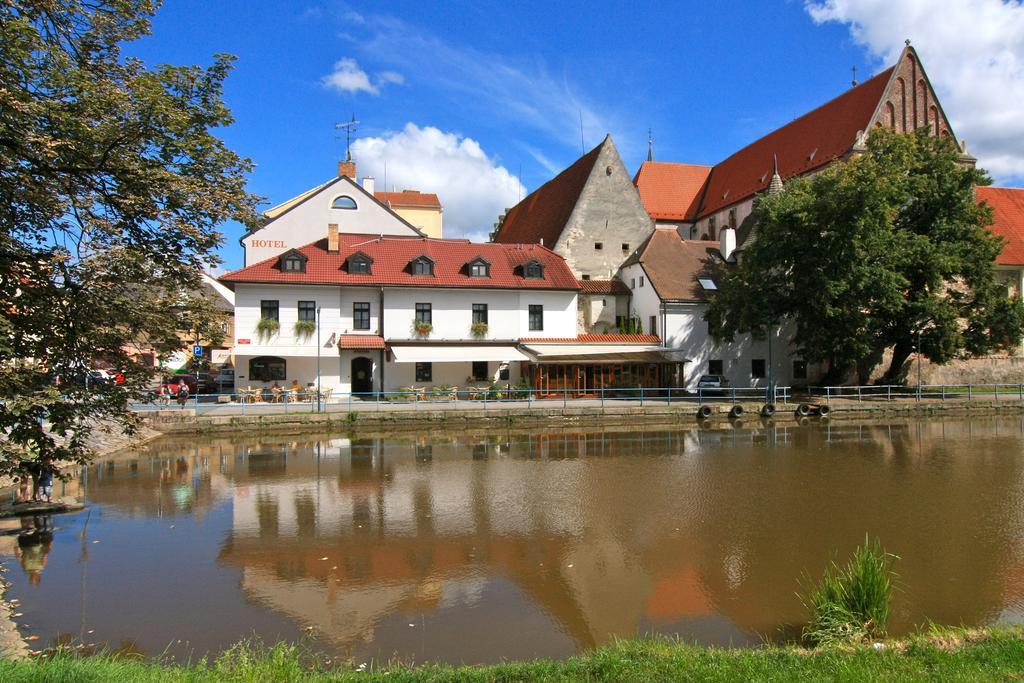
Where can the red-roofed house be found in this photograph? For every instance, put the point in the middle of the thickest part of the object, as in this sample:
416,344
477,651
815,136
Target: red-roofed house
1008,223
421,209
378,313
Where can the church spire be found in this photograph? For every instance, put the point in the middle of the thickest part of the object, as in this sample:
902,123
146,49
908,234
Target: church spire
775,186
650,146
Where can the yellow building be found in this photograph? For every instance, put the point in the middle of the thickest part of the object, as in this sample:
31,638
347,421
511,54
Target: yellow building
420,209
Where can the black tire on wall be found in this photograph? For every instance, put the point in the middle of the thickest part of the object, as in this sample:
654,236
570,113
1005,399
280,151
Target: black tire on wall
824,410
704,412
736,411
803,410
767,410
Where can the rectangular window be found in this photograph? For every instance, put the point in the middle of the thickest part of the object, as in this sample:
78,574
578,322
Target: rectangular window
503,372
715,367
641,280
732,218
424,372
632,283
536,317
799,369
757,368
598,245
424,314
480,313
269,309
361,315
625,246
653,329
307,310
584,277
480,371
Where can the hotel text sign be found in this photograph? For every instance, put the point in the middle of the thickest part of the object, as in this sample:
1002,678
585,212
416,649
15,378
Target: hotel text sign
273,244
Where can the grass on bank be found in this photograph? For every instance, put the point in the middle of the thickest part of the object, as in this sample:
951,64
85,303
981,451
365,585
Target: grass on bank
851,604
950,655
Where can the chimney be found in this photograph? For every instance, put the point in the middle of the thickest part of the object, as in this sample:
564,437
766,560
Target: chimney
347,168
727,243
368,184
332,238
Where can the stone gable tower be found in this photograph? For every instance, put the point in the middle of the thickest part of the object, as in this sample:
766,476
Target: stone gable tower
590,214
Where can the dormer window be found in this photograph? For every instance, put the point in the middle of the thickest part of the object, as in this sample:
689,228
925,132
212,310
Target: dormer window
293,262
422,265
479,267
344,202
359,264
533,270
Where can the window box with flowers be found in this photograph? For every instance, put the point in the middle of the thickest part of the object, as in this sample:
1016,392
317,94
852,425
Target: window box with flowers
304,329
478,330
422,328
267,328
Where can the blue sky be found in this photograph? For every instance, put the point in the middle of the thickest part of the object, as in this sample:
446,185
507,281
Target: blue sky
464,98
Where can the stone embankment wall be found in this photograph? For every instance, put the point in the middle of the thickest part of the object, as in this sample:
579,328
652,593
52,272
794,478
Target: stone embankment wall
988,370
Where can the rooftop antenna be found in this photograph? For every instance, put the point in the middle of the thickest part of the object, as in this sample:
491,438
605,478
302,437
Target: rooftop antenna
854,70
349,127
650,146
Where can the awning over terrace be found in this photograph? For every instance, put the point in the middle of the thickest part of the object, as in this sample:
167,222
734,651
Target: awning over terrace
455,353
602,353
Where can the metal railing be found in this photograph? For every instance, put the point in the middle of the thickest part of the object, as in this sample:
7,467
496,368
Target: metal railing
269,402
923,392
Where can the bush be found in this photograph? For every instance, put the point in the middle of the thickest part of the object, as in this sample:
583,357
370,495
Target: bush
851,604
304,329
267,328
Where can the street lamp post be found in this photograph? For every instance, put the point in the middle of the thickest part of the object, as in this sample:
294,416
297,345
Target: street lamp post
770,391
318,359
919,364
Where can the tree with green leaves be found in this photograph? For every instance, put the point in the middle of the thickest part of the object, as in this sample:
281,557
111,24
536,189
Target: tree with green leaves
112,185
884,251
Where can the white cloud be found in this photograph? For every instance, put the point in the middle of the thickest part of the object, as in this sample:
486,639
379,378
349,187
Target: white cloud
974,53
348,77
473,188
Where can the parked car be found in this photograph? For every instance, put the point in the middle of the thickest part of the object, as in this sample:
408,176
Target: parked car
712,385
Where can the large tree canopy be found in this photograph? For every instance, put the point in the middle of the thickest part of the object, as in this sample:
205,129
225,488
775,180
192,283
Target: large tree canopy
869,254
112,185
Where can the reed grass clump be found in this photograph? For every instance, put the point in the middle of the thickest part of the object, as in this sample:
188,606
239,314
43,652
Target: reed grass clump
851,604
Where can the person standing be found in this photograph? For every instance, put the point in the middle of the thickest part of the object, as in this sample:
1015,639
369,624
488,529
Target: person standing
44,488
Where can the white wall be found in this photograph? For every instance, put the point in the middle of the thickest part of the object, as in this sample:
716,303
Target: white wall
307,222
452,312
682,327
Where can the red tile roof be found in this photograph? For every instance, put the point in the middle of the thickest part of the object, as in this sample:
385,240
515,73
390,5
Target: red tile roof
673,264
1008,208
596,339
614,286
806,143
669,190
391,257
544,213
409,198
360,341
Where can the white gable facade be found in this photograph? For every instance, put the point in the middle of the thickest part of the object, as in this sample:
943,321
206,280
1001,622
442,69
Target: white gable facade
305,219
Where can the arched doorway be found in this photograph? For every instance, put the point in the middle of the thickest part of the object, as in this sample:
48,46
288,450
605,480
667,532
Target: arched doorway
362,375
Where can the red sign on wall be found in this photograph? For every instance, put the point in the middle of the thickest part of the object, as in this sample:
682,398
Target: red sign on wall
245,341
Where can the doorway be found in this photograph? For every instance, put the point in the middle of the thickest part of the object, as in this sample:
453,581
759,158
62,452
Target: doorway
362,375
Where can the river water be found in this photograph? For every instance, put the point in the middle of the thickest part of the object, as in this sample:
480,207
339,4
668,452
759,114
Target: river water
477,547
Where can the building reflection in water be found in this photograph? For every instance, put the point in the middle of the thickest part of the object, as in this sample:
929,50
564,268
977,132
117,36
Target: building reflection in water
478,547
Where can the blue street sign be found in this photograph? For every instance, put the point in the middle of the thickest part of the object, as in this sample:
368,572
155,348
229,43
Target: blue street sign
197,350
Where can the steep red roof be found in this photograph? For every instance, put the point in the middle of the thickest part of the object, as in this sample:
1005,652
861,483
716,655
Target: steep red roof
613,286
804,144
360,341
426,200
674,265
544,213
1008,207
670,190
596,339
392,255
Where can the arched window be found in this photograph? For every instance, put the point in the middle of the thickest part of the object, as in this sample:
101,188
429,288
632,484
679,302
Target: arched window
267,369
344,202
890,115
